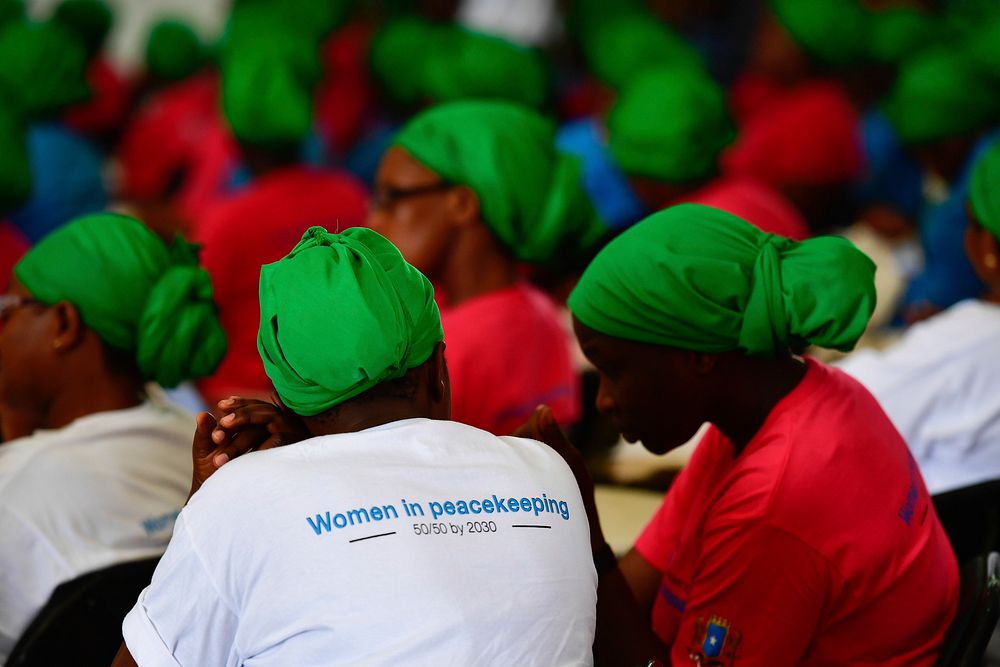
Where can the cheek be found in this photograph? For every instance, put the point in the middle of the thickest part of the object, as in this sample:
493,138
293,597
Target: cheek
421,238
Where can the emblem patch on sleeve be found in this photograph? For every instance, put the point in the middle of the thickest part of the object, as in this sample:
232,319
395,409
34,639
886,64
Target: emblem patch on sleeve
713,642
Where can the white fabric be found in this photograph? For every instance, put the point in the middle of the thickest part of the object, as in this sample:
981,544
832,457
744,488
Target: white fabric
526,22
269,566
103,490
940,386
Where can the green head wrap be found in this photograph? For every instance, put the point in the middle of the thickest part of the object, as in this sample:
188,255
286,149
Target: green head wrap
940,94
984,189
628,45
11,10
133,291
696,278
899,33
835,32
267,86
416,61
530,194
44,67
670,124
341,314
173,51
15,167
90,19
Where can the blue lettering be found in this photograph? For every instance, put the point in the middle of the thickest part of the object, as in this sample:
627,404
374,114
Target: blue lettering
537,505
389,510
475,506
339,520
564,509
354,516
499,504
462,507
488,506
449,508
525,505
376,513
322,523
512,505
436,510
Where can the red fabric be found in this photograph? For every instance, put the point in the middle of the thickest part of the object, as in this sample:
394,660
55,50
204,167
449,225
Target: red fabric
212,163
13,245
345,94
166,135
755,202
259,226
108,105
508,352
808,136
751,92
817,545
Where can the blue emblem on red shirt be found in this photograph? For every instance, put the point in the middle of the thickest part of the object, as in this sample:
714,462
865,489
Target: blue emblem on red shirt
715,637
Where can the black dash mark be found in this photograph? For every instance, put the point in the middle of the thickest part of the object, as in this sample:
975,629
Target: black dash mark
528,525
370,537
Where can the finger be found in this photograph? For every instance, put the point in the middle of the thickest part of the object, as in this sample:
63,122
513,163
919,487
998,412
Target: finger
202,444
245,441
530,428
257,413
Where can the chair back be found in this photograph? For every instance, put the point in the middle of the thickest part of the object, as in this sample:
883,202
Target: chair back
976,618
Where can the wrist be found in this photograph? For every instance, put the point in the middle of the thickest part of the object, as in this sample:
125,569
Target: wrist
604,559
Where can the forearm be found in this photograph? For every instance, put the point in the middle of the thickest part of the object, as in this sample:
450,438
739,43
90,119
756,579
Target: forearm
624,634
124,658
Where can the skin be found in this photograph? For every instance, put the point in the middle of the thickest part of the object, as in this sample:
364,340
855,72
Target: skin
734,392
253,425
440,232
980,246
54,369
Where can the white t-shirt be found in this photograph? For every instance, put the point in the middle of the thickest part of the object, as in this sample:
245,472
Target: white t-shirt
103,490
940,386
417,542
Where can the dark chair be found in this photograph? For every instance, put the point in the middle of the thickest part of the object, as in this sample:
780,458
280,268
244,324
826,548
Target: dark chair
81,624
977,614
971,518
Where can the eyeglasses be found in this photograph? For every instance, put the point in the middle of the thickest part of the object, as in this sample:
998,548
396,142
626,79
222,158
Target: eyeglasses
11,302
385,198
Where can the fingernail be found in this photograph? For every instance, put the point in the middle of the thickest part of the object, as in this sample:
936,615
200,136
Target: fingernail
228,419
220,460
226,401
218,436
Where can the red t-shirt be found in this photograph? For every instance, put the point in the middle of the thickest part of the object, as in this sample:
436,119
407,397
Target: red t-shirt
817,545
755,202
13,245
507,352
259,226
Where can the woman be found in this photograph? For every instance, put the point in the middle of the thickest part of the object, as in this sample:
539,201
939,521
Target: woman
801,532
468,192
94,467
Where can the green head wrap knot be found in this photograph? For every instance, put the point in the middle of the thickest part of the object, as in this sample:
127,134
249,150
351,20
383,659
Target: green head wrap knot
697,278
530,194
174,51
984,189
670,124
133,291
340,314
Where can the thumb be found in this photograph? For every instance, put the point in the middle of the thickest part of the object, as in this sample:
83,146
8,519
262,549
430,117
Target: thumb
202,445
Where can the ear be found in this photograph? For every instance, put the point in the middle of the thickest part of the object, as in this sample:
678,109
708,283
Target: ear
70,328
439,383
463,205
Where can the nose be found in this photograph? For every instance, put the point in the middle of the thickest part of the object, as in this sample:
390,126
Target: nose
604,402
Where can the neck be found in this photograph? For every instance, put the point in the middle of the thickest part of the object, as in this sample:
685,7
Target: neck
351,418
88,393
753,389
477,265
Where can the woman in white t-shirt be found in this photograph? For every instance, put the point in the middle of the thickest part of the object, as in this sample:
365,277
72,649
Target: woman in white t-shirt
94,467
940,384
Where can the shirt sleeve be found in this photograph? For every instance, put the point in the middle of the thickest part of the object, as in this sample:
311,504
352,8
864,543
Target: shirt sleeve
756,599
181,619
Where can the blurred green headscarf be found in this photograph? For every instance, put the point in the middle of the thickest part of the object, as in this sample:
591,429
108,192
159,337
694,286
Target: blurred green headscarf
628,45
133,291
940,94
899,33
44,68
697,278
173,51
340,314
15,166
90,19
984,189
530,194
670,124
835,32
417,61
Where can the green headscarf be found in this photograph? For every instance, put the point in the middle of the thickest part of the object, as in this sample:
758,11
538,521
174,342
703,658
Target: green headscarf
416,60
267,86
696,278
340,314
940,94
173,51
15,167
628,45
670,124
133,291
984,189
899,33
530,194
835,32
44,66
90,19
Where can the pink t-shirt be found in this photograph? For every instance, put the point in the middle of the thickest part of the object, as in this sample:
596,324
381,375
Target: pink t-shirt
755,202
507,352
817,545
259,226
